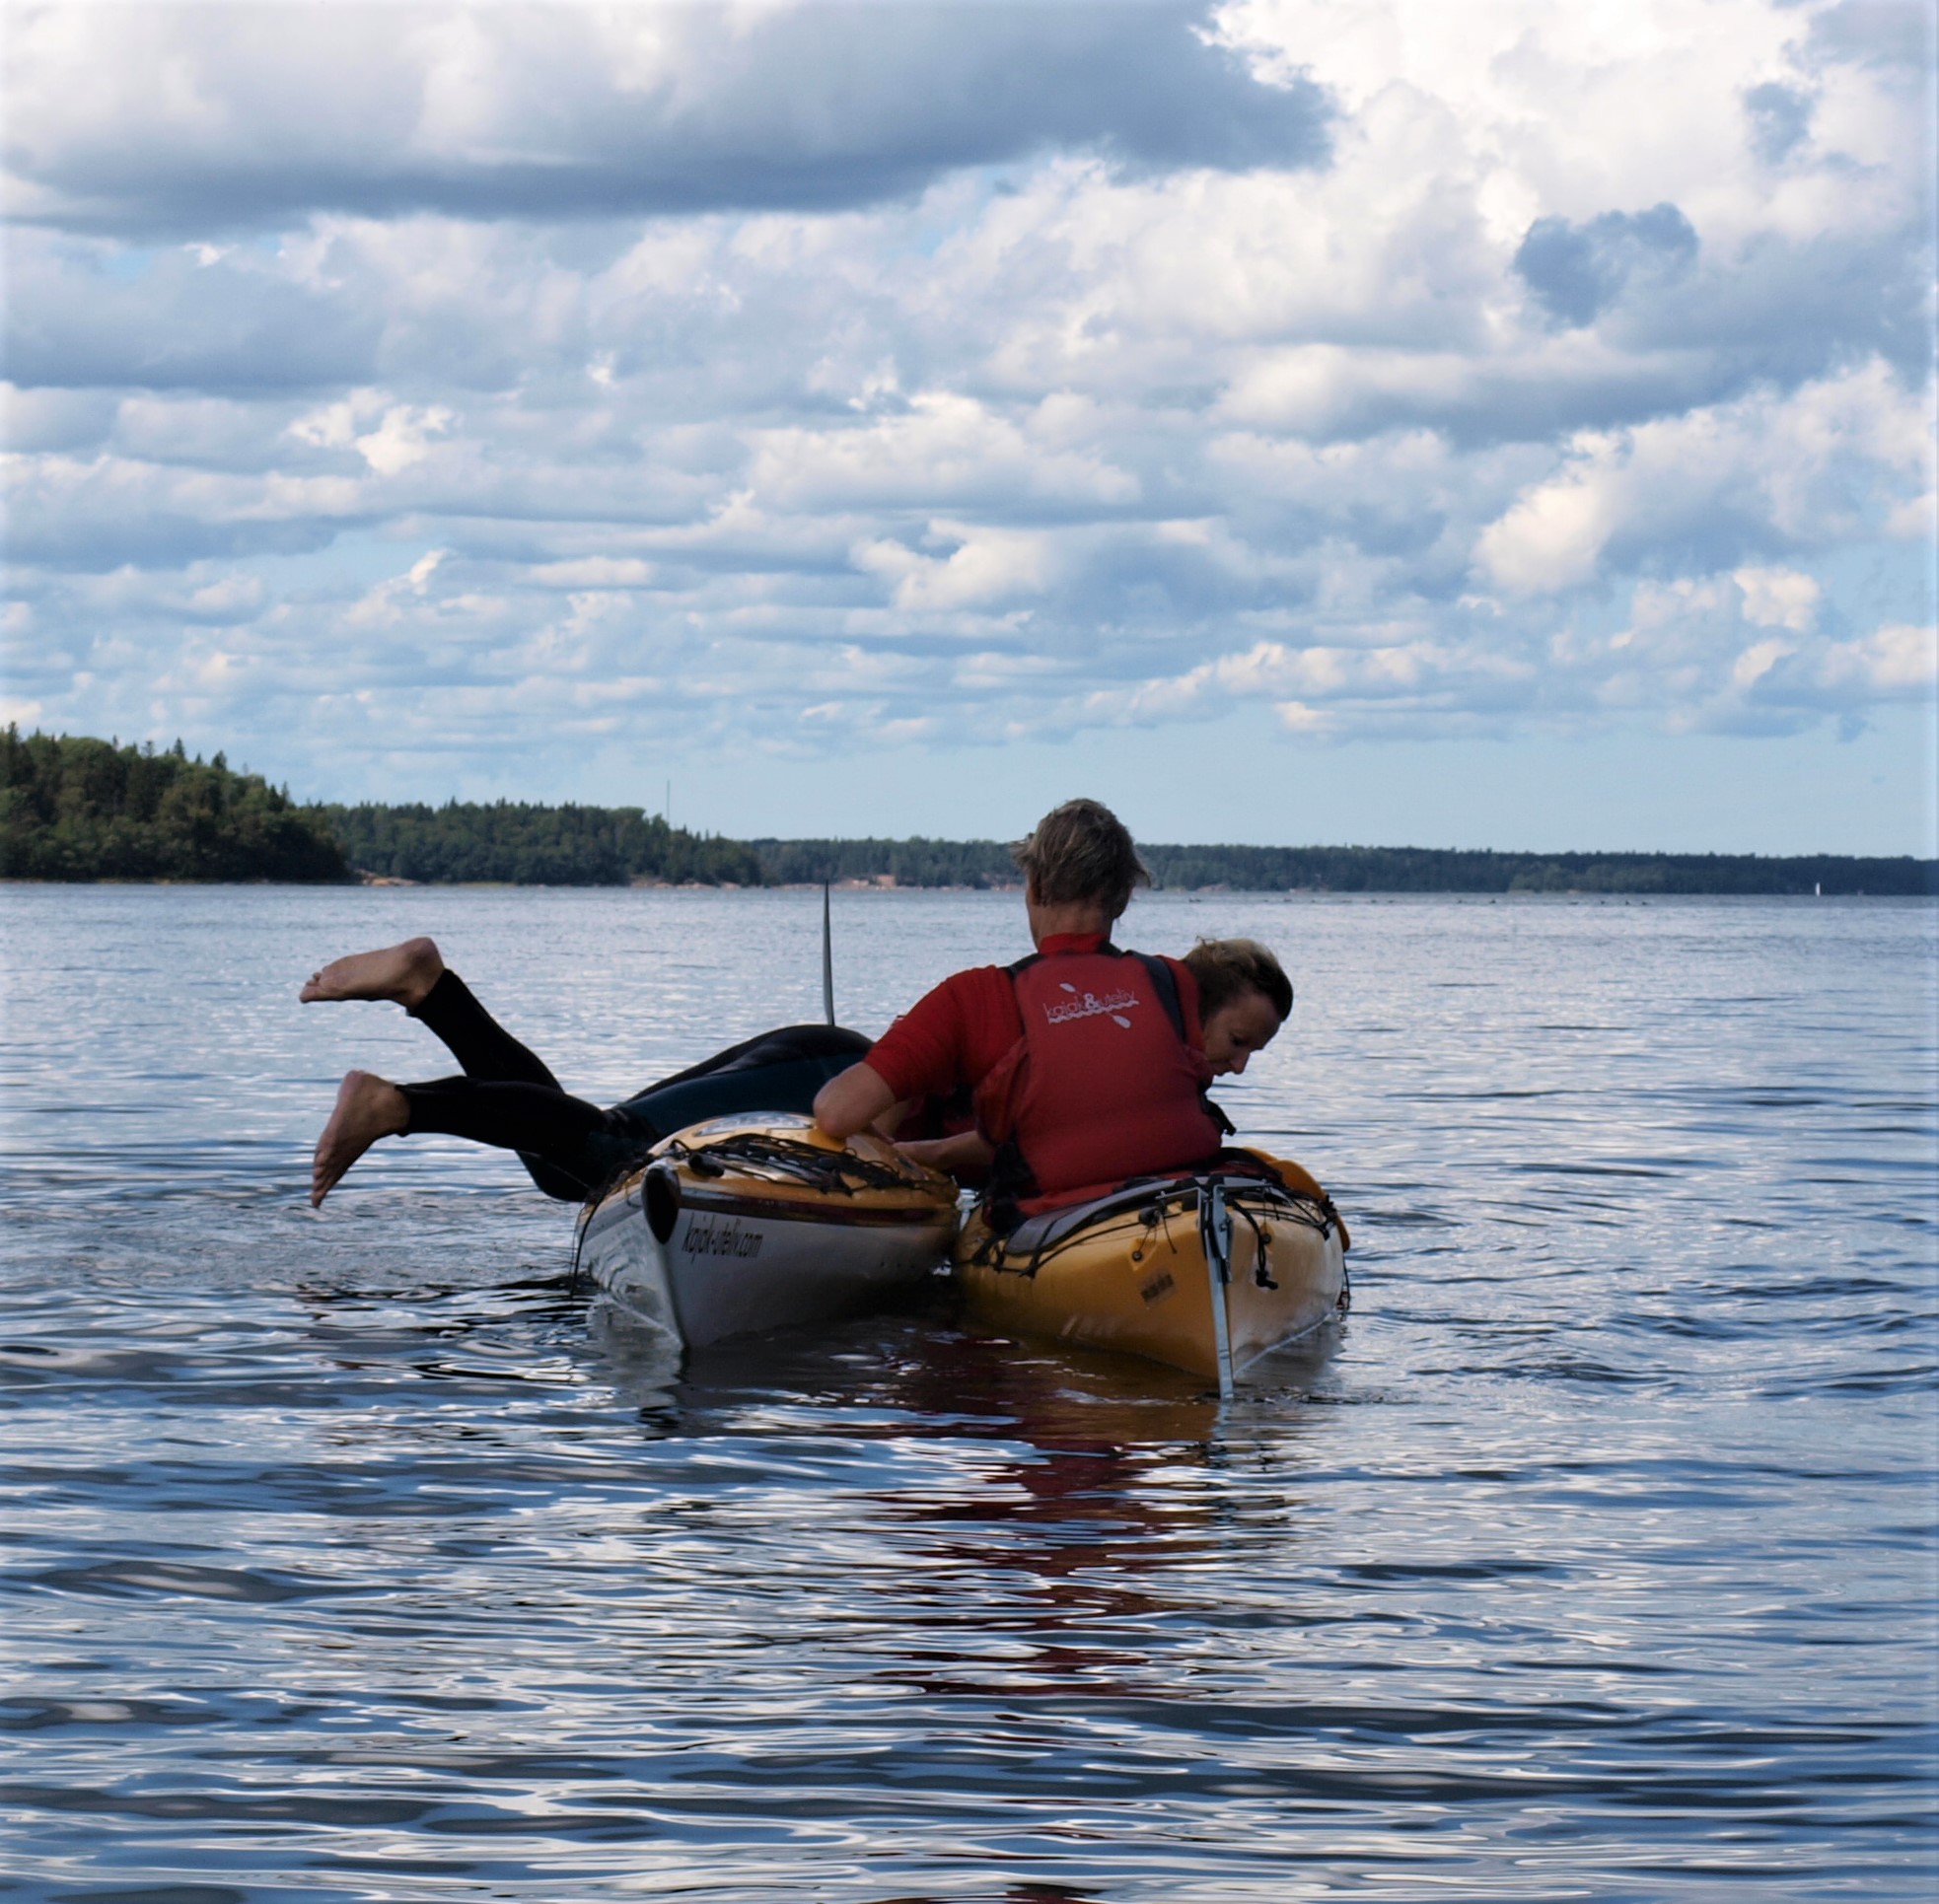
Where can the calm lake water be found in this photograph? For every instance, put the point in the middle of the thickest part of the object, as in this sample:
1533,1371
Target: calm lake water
358,1555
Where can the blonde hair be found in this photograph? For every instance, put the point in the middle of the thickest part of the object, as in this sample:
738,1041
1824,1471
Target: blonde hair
1081,855
1225,968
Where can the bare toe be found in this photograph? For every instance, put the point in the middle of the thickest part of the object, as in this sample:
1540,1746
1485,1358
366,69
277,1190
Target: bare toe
403,973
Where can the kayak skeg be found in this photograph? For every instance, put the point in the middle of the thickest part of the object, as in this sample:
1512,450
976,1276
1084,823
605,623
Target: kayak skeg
1205,1271
759,1221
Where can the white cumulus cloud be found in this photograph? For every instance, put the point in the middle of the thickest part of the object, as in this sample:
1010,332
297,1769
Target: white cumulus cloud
811,377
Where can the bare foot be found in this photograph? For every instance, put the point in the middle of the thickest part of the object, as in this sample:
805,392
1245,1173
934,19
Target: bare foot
401,973
367,1108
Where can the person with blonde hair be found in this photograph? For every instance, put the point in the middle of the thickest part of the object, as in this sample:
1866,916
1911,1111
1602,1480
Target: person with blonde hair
1084,1065
1243,997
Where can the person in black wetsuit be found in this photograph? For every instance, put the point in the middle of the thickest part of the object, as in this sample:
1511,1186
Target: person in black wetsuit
509,1098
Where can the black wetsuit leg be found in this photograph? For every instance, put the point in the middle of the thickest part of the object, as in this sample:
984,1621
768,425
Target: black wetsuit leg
569,1147
572,1148
556,1127
481,1045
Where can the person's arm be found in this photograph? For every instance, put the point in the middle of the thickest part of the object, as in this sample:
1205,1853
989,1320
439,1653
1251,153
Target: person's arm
853,1101
917,1057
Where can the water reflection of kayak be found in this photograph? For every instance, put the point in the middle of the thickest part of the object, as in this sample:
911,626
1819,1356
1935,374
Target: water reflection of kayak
761,1223
1206,1272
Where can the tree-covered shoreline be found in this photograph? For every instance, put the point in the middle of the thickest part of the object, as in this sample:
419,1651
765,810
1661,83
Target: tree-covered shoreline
73,809
76,808
516,843
1367,868
1383,868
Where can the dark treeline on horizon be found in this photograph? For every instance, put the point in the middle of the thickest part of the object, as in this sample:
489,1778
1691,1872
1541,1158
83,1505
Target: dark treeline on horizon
1406,868
911,862
1367,868
517,844
74,808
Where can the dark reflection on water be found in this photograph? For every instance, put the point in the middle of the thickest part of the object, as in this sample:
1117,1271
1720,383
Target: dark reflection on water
364,1556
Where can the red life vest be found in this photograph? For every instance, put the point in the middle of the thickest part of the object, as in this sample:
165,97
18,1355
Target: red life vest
1102,1086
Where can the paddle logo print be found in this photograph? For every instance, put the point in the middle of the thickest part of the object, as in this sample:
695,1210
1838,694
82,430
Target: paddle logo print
1088,1005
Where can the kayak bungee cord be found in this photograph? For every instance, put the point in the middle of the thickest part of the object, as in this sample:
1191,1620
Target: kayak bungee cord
1160,1200
785,1159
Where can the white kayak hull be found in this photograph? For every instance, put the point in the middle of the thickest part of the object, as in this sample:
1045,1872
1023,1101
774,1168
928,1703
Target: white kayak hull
722,1250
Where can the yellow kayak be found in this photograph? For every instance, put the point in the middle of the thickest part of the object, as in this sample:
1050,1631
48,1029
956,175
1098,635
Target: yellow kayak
1206,1272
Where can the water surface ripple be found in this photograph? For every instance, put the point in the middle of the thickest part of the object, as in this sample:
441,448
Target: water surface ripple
360,1555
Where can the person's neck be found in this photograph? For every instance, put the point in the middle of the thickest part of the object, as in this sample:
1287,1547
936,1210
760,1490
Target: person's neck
1053,922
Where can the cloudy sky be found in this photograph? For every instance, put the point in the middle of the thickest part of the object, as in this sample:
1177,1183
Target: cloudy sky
1439,422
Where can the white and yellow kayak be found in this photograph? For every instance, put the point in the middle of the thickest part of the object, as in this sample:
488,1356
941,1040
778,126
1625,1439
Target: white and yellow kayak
1207,1271
762,1223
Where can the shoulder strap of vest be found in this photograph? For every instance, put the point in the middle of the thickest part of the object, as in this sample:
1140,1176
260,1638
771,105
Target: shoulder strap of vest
1165,982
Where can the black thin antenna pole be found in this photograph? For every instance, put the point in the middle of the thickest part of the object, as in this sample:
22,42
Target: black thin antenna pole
828,960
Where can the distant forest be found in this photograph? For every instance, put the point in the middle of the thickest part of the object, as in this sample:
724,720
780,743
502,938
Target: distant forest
76,808
524,845
911,862
1364,869
79,809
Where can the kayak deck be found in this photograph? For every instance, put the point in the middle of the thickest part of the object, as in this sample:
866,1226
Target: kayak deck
1137,1271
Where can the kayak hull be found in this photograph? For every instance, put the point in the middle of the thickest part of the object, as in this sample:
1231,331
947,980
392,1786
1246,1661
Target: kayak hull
1136,1275
749,1223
